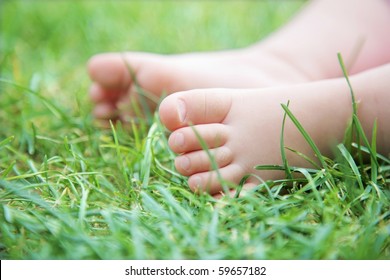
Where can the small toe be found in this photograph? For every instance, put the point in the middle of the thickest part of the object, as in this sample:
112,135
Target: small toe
246,188
200,161
105,111
188,139
213,181
99,94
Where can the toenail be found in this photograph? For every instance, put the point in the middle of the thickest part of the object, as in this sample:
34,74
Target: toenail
184,163
179,139
197,181
181,106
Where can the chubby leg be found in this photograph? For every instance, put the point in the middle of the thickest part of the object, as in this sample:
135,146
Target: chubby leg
242,128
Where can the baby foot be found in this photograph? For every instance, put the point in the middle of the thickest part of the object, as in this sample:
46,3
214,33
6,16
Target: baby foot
242,128
163,74
303,50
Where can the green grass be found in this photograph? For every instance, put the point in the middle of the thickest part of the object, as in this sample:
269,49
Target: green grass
69,190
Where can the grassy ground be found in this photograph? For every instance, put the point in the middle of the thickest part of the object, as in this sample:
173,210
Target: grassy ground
69,190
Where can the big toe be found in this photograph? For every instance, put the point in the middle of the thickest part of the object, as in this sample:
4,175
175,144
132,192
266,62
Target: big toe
195,107
110,70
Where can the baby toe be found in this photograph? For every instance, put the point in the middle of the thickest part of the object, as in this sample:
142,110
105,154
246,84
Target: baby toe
213,181
198,137
200,161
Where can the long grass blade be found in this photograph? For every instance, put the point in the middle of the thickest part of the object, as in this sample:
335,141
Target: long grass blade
307,137
214,164
360,131
282,147
373,154
348,157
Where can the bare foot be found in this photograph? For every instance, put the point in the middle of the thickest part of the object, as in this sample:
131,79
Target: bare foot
164,74
303,50
242,129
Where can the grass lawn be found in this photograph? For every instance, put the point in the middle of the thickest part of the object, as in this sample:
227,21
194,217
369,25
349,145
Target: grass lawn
71,190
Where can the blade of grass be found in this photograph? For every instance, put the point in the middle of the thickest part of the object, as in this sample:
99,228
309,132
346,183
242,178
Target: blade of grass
148,156
282,147
212,235
83,205
214,164
310,141
282,168
57,111
6,141
374,160
352,130
361,133
343,68
348,157
153,206
137,236
180,210
378,156
141,93
118,153
307,137
305,157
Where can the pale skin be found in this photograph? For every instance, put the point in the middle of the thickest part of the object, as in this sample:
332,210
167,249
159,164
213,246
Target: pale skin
232,98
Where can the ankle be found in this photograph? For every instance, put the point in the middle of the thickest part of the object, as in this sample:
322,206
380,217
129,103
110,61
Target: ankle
281,64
